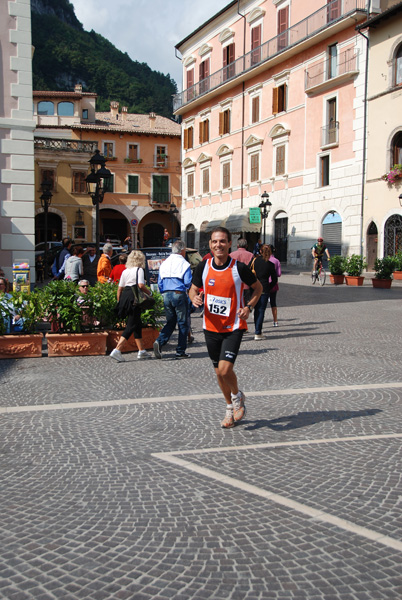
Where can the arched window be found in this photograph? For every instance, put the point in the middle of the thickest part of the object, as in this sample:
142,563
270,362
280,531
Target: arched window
398,66
396,149
65,109
46,108
190,236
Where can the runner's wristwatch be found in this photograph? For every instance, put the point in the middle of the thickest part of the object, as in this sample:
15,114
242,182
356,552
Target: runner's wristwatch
249,307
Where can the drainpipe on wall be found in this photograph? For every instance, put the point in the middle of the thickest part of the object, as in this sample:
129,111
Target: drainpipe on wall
364,140
243,109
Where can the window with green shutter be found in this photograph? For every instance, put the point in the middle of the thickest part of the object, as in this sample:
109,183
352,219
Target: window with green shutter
108,185
133,184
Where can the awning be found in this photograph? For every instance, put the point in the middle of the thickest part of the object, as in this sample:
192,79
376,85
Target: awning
240,221
215,223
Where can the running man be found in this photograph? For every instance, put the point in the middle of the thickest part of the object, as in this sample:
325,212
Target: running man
222,280
318,251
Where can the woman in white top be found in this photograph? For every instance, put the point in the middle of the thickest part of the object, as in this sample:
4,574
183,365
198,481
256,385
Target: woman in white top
73,268
133,274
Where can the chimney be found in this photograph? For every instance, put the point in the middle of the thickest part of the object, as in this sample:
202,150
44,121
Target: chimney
152,119
114,109
78,88
124,110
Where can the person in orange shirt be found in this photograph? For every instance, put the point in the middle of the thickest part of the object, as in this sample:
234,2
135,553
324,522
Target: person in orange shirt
104,265
222,279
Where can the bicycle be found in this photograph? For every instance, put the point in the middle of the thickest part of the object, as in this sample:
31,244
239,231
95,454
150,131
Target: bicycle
319,273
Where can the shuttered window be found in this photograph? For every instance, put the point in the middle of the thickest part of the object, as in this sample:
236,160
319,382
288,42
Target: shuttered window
283,24
255,109
203,76
204,131
255,44
254,167
188,138
133,184
226,175
224,122
280,160
228,61
79,183
279,99
190,184
205,181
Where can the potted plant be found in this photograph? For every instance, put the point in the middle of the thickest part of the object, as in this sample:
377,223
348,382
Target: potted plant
354,266
337,269
394,175
398,265
73,323
384,268
26,342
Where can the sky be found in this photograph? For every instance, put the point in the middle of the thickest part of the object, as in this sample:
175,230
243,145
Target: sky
147,30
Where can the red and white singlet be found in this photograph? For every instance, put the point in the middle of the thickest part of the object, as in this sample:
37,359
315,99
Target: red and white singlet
223,296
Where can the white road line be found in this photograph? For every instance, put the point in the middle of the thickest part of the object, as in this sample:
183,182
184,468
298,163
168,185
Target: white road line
256,394
313,513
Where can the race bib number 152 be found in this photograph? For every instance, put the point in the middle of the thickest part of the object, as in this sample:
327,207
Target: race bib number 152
219,305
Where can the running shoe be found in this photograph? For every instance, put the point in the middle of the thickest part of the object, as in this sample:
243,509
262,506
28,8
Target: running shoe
228,421
275,324
157,350
117,355
258,336
143,354
183,355
239,408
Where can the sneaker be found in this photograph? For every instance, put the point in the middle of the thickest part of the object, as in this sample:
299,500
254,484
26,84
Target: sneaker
258,336
228,421
183,355
157,350
143,354
117,355
275,324
239,408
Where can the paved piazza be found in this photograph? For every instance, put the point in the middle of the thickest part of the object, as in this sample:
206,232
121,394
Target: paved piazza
117,481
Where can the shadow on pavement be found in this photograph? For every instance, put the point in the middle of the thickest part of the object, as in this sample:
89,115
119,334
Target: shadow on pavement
305,419
289,294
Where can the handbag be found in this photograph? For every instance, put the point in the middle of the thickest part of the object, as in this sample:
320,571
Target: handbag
141,299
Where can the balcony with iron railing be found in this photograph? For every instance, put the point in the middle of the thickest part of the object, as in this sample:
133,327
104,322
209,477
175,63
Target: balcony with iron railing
160,198
62,145
161,160
331,13
330,135
332,71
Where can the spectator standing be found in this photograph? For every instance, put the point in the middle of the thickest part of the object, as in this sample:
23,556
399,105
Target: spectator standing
73,269
59,261
244,256
104,265
90,265
274,290
173,281
133,275
118,269
39,269
266,275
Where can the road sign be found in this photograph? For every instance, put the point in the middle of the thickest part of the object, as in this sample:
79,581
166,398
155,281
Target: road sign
134,222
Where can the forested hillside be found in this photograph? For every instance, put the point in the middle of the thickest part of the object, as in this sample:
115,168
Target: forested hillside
65,54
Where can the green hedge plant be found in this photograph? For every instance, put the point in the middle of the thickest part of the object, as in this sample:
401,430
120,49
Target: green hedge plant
337,265
384,267
355,264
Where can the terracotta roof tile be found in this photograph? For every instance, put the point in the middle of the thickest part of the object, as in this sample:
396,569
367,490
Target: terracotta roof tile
132,122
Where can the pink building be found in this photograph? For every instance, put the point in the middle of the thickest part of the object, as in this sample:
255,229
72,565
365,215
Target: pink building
272,102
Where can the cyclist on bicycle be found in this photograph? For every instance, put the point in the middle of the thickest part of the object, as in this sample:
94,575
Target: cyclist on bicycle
318,251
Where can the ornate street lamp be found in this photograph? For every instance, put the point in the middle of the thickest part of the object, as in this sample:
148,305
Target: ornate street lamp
173,212
45,200
96,186
265,207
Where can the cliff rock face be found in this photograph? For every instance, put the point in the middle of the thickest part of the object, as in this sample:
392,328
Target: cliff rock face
62,9
66,54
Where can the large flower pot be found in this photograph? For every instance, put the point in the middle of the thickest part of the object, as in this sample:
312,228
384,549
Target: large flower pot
337,279
21,345
384,284
76,344
353,280
149,335
397,274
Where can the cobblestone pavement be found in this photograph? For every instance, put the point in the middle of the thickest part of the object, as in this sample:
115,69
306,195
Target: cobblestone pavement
117,482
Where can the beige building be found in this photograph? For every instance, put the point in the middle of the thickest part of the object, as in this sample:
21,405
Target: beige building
382,209
16,137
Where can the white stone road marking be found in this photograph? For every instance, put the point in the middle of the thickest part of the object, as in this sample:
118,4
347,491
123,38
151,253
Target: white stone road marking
313,513
257,394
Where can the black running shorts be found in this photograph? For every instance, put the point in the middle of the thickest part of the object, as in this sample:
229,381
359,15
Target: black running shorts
223,346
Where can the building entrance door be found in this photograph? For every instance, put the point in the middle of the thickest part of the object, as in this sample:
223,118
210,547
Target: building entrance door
281,237
372,245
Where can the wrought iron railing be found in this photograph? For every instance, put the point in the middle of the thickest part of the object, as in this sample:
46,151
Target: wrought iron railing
346,62
311,25
160,198
330,134
65,145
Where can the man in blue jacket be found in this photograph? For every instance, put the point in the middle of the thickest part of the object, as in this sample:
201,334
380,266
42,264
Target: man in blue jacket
174,280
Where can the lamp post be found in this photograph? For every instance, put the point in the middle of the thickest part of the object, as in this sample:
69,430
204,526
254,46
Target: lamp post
173,212
265,207
96,186
45,200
